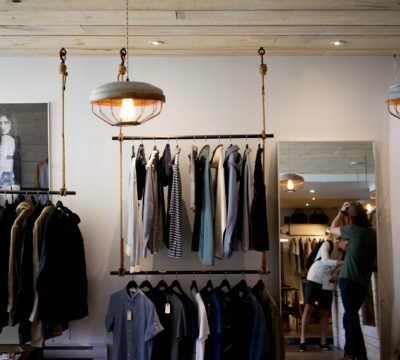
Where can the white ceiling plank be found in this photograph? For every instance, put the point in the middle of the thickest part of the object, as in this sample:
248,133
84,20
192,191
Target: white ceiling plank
202,18
201,5
120,30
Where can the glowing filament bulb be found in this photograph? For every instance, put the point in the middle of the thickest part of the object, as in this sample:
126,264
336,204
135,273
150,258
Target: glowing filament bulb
290,185
127,112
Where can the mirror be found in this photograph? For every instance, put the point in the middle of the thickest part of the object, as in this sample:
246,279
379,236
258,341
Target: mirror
315,178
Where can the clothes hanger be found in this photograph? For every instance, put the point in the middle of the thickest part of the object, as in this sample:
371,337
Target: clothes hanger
162,284
209,284
193,285
225,284
131,286
146,284
176,285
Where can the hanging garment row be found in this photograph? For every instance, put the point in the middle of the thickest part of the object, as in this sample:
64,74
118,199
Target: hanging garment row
300,249
39,289
220,322
226,195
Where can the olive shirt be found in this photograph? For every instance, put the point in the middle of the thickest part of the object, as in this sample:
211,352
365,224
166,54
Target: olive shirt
360,255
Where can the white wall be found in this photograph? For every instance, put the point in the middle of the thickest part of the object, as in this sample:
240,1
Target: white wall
308,98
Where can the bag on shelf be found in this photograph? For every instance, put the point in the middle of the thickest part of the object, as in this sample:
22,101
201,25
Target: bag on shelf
298,217
319,217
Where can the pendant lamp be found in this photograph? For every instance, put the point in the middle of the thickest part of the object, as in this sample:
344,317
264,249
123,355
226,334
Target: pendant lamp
124,102
393,97
292,182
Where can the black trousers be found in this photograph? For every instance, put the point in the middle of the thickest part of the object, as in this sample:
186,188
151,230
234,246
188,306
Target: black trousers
353,296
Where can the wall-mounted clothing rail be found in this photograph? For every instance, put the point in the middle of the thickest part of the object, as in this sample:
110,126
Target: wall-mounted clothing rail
36,192
309,235
191,272
196,137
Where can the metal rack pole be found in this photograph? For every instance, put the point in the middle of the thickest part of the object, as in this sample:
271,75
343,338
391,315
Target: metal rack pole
190,272
196,137
36,192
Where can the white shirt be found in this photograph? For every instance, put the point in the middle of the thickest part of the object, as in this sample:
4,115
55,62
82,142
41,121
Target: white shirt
204,329
323,268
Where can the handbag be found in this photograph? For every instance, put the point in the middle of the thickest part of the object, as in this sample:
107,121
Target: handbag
298,217
319,217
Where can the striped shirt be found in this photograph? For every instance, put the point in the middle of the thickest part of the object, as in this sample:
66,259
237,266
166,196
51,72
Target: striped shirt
175,210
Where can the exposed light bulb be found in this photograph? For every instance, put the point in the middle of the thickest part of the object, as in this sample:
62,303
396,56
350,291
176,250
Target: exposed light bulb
312,191
313,198
307,204
128,112
369,207
290,186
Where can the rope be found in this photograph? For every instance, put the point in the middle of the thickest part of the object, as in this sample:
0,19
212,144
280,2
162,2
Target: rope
121,270
122,67
64,74
263,71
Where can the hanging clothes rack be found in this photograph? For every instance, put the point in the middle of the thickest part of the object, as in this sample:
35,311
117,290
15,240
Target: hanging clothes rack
262,136
191,272
195,137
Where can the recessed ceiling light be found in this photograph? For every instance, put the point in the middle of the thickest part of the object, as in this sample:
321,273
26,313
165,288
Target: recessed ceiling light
312,191
313,198
338,42
354,163
156,42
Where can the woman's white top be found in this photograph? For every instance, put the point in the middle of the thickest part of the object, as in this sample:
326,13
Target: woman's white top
324,265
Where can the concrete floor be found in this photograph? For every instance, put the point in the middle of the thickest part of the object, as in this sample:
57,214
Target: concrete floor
312,353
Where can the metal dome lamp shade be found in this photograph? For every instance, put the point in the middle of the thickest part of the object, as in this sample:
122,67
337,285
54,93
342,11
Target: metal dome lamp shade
393,98
291,181
126,103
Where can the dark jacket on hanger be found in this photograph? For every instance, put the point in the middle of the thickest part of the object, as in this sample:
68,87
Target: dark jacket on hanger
24,300
199,181
259,224
140,171
7,218
62,282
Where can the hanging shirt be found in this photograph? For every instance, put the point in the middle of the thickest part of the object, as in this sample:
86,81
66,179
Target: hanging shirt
175,210
232,166
217,167
259,224
7,218
153,227
246,195
134,224
199,180
134,322
192,174
165,180
140,171
37,336
23,210
204,329
206,236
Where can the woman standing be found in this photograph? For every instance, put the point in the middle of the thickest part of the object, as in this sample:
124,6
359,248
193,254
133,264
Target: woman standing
7,152
355,274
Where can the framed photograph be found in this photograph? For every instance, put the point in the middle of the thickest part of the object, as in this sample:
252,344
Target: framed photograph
24,146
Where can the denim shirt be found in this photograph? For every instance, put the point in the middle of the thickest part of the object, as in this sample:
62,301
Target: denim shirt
134,322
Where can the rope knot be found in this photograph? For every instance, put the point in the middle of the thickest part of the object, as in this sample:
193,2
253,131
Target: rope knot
263,69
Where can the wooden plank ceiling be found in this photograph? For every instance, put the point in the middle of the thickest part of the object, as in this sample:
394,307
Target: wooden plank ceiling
200,27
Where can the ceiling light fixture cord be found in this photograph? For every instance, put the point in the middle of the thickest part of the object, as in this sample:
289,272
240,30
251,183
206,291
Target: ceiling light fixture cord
263,71
64,74
127,40
396,69
121,270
